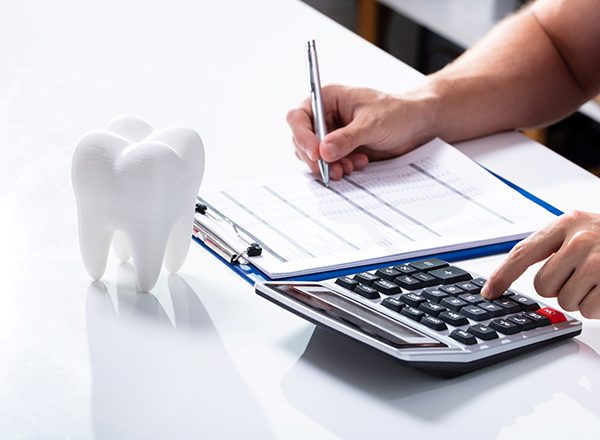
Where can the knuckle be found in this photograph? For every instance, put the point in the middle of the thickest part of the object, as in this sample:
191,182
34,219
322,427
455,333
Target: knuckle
517,253
581,240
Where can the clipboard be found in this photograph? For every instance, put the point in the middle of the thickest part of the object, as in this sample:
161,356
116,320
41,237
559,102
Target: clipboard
235,246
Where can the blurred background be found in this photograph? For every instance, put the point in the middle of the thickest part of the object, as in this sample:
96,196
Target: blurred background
428,34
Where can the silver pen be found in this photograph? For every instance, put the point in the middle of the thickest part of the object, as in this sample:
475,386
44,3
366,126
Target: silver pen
319,123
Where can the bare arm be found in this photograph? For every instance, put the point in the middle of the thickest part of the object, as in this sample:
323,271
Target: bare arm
532,69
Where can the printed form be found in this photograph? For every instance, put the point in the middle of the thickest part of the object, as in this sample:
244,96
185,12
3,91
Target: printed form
433,199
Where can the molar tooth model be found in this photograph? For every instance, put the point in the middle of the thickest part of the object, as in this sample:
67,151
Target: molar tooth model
137,188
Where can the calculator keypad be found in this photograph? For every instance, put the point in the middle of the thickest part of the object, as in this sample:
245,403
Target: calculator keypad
447,299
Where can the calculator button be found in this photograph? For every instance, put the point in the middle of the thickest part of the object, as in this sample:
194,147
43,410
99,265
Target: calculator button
478,281
366,278
505,326
432,308
425,280
526,304
463,336
508,294
434,294
346,282
451,289
451,274
433,322
412,313
387,273
469,287
453,318
508,306
539,320
471,299
386,287
494,310
482,332
474,312
454,304
407,282
523,322
405,269
554,316
412,299
393,303
366,291
429,264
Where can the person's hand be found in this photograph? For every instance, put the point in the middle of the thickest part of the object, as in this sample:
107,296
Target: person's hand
363,125
572,273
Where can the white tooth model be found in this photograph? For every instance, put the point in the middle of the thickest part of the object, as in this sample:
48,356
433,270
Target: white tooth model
139,187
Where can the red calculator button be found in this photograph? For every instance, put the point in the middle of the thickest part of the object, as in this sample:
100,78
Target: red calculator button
554,316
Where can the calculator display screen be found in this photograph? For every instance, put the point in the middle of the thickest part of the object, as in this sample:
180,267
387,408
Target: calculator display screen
354,314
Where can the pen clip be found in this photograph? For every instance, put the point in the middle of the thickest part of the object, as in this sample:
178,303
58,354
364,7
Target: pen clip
217,242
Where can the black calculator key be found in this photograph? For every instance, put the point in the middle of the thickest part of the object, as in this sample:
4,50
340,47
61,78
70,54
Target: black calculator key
471,298
452,289
433,322
469,287
387,273
366,278
412,299
508,294
452,303
494,310
475,313
463,336
434,294
505,326
393,303
412,313
453,318
405,269
386,287
508,305
407,281
347,282
540,320
425,279
526,304
429,264
451,274
432,308
482,332
478,281
523,322
366,291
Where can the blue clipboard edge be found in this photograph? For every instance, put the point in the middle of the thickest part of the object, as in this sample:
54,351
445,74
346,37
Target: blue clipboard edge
252,275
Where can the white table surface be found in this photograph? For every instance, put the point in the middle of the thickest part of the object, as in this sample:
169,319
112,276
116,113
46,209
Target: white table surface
202,356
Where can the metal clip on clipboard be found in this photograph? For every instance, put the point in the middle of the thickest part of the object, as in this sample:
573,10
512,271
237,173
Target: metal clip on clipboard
209,228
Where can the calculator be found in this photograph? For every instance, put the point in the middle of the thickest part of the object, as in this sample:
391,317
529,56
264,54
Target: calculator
427,313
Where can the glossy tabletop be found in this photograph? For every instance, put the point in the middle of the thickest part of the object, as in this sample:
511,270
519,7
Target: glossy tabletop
202,356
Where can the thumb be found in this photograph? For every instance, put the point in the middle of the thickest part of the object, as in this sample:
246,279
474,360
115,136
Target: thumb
343,141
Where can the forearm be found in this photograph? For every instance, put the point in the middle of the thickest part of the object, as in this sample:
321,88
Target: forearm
517,76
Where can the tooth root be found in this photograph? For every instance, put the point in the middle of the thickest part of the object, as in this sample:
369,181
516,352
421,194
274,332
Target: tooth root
178,245
148,250
94,243
121,246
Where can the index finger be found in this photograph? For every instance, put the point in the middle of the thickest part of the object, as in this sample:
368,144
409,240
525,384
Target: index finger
534,248
300,121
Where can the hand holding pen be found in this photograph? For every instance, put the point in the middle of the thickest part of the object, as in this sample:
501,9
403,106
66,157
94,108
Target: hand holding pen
365,125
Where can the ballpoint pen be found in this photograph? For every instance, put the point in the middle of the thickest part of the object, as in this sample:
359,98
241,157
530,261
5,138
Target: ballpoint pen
319,124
